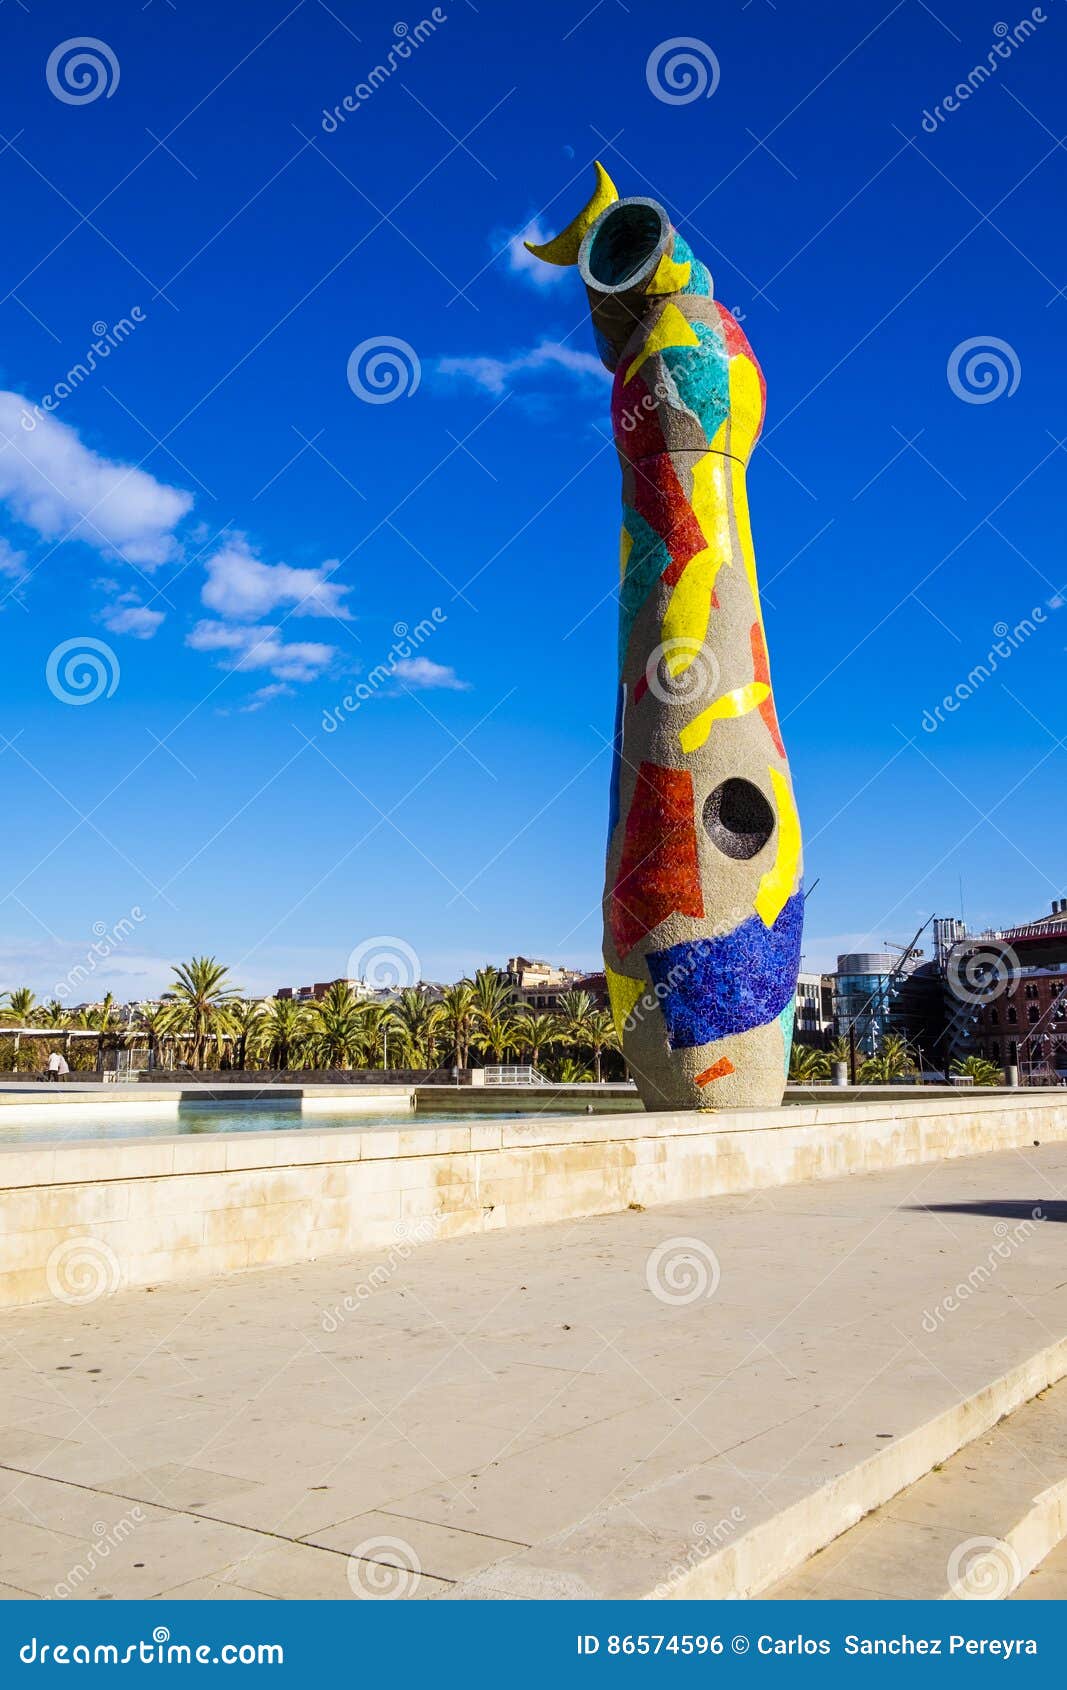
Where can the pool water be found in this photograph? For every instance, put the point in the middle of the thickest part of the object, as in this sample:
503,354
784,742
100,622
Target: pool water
59,1122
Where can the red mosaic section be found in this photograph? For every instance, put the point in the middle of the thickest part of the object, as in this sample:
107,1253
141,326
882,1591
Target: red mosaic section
737,344
717,1071
761,671
659,874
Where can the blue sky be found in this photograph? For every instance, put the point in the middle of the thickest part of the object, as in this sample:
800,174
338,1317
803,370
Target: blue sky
277,528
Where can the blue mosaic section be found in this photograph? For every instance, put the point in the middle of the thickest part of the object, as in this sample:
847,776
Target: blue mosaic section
604,349
702,376
713,987
649,557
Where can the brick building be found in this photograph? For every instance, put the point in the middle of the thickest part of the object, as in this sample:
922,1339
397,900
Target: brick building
1023,1017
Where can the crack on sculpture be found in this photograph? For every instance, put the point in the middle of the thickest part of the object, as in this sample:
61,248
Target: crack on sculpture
689,911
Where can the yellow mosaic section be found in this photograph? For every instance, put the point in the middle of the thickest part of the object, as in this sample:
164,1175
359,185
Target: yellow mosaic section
737,703
777,885
670,277
670,329
623,991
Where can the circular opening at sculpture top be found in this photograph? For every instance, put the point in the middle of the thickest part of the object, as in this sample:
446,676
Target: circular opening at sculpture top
627,238
738,818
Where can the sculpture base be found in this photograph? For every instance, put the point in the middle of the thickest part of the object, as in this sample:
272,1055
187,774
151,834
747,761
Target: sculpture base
744,1071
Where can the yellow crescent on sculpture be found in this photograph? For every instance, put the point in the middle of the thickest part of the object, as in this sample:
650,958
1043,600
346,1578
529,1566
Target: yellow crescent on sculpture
563,249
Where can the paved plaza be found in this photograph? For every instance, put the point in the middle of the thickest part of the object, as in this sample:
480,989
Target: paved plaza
559,1410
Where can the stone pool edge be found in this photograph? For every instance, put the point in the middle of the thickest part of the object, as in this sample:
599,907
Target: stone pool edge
147,1212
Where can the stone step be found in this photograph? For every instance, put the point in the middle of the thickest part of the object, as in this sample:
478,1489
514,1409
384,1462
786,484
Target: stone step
976,1526
1048,1582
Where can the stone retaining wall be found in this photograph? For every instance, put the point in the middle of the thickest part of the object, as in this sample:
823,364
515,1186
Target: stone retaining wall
145,1212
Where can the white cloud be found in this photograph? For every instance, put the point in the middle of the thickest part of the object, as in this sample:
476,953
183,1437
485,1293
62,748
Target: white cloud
523,263
12,563
264,695
419,672
129,616
64,490
495,375
262,648
241,586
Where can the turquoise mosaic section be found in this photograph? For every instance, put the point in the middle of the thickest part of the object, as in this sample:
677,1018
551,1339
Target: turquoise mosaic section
699,276
787,1018
702,377
648,559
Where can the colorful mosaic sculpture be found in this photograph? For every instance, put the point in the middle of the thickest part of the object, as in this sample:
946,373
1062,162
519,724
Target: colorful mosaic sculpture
703,904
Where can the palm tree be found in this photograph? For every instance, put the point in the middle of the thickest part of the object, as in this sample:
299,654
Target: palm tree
498,1033
153,1022
573,1012
245,1018
582,1025
19,1009
807,1065
534,1032
600,1035
204,1004
376,1020
281,1032
492,994
572,1073
982,1071
103,1016
892,1060
335,1027
53,1014
416,1018
457,1020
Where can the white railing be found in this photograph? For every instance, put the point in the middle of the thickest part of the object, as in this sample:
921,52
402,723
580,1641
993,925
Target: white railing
514,1074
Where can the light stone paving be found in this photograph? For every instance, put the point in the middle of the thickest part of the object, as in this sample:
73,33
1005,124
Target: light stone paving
517,1412
972,1528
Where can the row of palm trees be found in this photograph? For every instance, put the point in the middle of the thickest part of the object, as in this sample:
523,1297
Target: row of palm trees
893,1060
208,1023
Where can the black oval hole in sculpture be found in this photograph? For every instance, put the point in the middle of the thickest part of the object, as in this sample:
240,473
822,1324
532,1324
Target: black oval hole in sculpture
738,818
625,241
